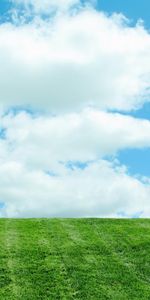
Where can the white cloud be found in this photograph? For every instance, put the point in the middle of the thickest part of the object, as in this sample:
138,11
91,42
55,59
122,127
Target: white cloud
32,146
103,189
41,142
77,65
72,61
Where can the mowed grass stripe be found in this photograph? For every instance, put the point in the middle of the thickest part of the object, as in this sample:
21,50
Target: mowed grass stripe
5,280
102,267
85,264
40,269
74,259
11,245
53,239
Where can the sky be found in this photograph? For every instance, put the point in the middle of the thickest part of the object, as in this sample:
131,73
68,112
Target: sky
133,10
74,108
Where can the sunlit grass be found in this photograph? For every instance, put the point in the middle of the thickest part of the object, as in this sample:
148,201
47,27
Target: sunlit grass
74,259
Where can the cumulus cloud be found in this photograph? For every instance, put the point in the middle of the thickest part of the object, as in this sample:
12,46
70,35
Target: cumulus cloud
72,65
72,61
36,180
102,189
43,142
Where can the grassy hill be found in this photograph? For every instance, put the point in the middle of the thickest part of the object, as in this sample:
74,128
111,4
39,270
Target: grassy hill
74,259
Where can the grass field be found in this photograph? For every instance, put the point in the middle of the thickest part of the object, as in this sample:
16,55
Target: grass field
74,259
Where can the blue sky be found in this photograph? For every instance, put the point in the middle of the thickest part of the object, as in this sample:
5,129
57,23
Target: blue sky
132,9
72,141
137,160
4,6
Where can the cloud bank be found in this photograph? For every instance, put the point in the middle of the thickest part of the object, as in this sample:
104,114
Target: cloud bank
71,61
75,193
68,72
54,166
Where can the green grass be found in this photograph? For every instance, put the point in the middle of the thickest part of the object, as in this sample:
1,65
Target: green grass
74,259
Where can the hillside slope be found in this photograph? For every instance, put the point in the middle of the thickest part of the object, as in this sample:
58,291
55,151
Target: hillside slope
74,259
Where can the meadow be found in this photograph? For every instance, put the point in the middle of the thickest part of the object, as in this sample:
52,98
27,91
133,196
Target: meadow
68,259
